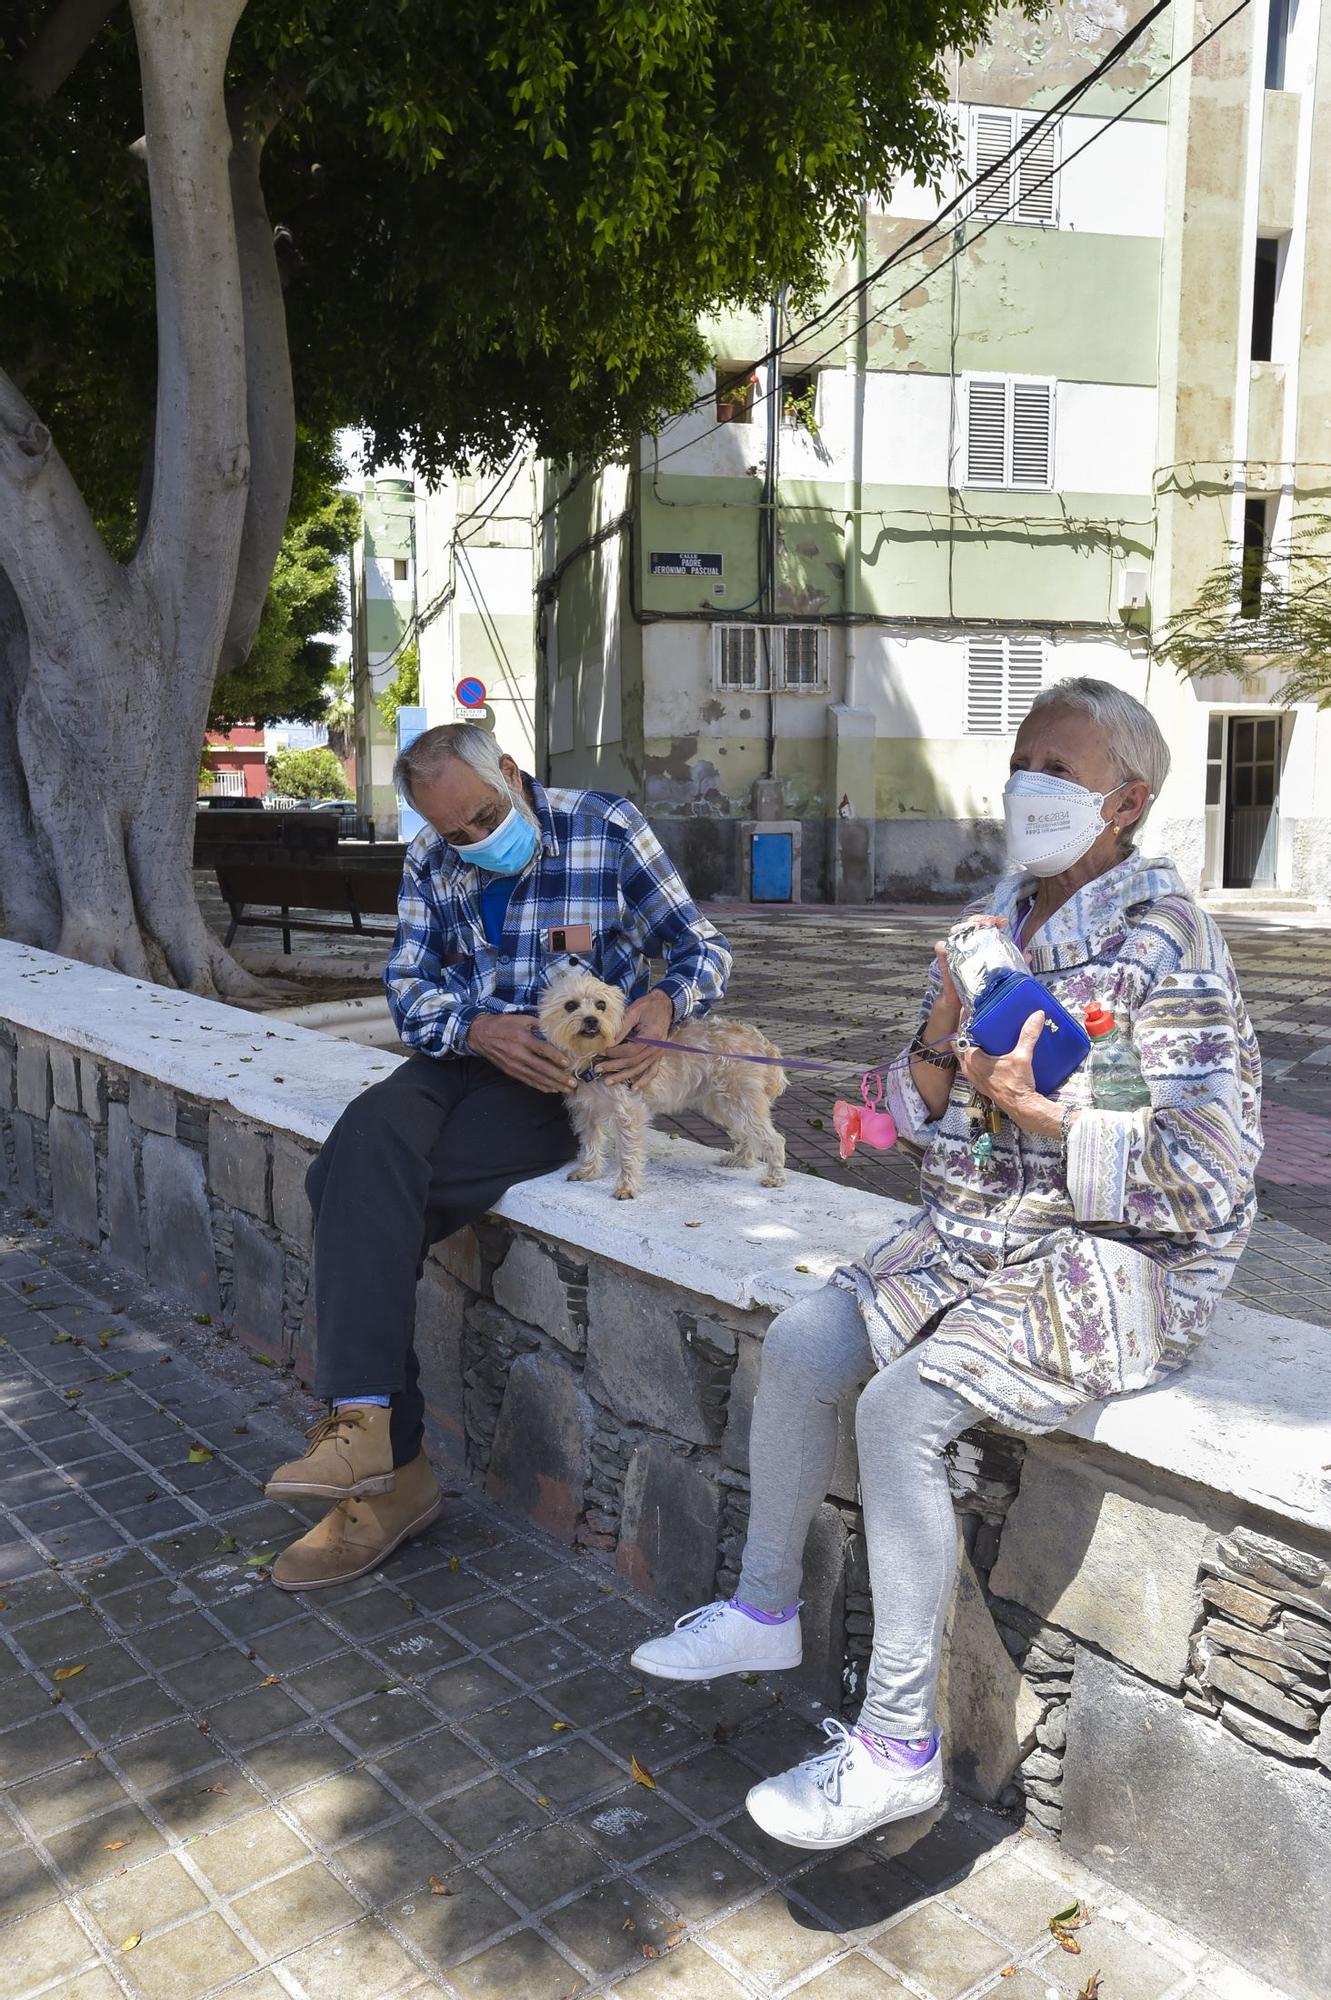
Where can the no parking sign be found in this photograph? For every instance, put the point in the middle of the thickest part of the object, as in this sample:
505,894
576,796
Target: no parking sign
471,692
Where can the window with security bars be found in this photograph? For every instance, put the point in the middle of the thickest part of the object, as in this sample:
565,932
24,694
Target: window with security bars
1009,423
1025,187
1004,673
228,784
785,659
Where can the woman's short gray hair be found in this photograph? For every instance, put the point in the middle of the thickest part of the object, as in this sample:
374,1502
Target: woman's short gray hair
1132,733
422,759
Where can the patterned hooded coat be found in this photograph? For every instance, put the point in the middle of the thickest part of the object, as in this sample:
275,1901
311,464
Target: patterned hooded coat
1065,1280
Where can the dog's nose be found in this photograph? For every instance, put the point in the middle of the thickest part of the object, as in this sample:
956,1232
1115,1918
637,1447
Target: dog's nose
589,1023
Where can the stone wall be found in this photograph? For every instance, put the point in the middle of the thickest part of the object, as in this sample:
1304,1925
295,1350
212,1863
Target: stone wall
1137,1657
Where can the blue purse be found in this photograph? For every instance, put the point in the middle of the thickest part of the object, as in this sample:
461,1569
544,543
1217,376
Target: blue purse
1004,1009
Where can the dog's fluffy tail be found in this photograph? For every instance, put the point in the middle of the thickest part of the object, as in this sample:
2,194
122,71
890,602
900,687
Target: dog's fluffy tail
774,1080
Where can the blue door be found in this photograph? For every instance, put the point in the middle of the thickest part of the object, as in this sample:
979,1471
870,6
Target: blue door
411,723
773,868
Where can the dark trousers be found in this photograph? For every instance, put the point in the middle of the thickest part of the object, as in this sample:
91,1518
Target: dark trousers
409,1161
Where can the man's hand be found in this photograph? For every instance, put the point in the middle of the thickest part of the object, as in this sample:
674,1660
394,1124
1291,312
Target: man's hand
1010,1081
512,1042
653,1016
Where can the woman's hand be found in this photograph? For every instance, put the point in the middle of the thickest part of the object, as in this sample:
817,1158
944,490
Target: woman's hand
948,992
1010,1082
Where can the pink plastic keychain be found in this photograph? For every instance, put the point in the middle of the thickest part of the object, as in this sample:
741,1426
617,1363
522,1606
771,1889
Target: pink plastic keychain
865,1121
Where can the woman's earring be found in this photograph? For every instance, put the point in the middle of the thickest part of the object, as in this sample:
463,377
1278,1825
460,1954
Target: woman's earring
1114,826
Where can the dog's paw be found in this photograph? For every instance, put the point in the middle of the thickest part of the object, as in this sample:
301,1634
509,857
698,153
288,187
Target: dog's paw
591,1172
774,1177
626,1191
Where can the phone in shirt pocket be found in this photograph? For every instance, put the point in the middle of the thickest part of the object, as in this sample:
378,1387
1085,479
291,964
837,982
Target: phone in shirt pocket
569,941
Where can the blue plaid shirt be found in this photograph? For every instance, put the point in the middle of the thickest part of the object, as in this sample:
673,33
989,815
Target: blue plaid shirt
600,865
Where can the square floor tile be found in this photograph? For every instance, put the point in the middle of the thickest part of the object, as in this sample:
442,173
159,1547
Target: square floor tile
631,1824
483,1814
206,1800
683,1974
59,1798
382,1721
43,1745
858,1893
589,1698
1125,1963
699,1879
950,1848
299,1758
542,1656
344,1806
41,1947
609,1926
1011,1899
437,1764
546,1865
773,1940
121,1838
567,1776
73,1635
25,1884
711,1784
441,1589
377,1611
128,1711
179,1639
354,1964
523,1963
650,1734
462,1690
144,1899
400,1858
332,1683
217,1675
296,1908
190,1959
418,1649
168,1754
295,1644
446,1926
940,1952
857,1978
247,1852
612,1628
515,1729
260,1712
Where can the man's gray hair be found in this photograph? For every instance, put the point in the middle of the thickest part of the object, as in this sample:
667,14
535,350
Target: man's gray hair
1132,734
422,759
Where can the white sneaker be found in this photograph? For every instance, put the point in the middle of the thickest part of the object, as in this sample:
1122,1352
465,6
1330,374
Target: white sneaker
842,1792
717,1639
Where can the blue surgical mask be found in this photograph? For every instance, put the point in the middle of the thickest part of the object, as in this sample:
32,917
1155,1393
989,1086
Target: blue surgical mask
507,850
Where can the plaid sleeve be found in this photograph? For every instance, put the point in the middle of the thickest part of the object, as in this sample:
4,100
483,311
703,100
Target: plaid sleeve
430,1003
663,920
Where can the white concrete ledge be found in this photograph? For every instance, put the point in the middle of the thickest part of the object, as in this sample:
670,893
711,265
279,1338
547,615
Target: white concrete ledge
1250,1417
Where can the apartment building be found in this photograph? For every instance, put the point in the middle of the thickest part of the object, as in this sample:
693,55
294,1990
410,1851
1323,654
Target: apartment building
447,571
802,628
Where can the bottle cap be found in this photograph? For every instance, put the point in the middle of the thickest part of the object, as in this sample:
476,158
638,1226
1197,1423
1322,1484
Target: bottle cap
1098,1021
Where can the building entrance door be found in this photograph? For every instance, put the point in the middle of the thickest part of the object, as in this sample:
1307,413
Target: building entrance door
1252,801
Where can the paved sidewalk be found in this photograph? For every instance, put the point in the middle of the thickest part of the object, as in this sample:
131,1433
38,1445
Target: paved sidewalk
421,1783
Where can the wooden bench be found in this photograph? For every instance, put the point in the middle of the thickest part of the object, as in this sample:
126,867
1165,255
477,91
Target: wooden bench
353,892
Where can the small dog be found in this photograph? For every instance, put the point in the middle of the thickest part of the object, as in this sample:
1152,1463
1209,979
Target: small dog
582,1017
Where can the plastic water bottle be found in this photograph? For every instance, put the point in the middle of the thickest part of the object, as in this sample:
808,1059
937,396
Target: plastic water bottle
1117,1083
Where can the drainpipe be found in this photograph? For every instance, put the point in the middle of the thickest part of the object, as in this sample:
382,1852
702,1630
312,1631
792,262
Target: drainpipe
852,728
769,499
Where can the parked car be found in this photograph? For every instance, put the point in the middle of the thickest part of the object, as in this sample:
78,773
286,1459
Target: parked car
348,816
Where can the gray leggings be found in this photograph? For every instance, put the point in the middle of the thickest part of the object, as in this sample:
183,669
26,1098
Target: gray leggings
816,1355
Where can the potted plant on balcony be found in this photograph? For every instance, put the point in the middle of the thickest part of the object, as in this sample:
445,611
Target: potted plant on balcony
734,397
800,409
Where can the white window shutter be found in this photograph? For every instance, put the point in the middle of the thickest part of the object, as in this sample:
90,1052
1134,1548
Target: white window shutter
1025,675
1037,182
1032,434
992,138
986,431
984,684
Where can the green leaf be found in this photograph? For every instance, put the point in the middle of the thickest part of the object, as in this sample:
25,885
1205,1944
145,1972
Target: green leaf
199,1455
226,1545
202,1319
261,1559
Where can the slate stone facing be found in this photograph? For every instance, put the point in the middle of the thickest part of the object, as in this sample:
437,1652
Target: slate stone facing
181,1259
1111,1562
152,1107
638,1363
34,1076
1261,1657
668,1533
539,1460
74,1175
257,1270
238,1166
291,1204
546,1289
1150,1816
64,1078
124,1213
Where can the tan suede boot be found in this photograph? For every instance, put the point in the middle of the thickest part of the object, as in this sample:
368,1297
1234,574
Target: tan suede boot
357,1535
349,1455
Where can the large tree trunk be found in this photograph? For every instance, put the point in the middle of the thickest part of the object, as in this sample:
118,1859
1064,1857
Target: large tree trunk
106,672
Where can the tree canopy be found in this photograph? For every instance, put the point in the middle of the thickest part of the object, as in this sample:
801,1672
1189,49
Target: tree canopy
1265,610
496,220
286,673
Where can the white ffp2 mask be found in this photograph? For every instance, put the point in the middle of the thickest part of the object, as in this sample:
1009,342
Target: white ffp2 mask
1050,821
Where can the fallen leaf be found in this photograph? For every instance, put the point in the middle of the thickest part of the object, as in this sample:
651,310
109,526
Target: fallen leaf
107,1335
635,1691
199,1455
61,1339
802,1267
438,1888
27,1288
1091,1990
542,1802
455,1562
68,1673
227,1545
264,1360
641,1775
119,1375
162,1359
559,1725
271,1681
261,1560
240,1430
1068,1942
628,1924
649,1951
129,1943
113,1846
693,1225
218,1787
202,1319
72,1395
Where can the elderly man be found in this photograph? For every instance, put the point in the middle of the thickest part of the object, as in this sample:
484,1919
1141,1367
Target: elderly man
505,877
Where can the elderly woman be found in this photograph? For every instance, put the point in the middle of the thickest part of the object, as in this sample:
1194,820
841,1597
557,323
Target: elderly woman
1079,1258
